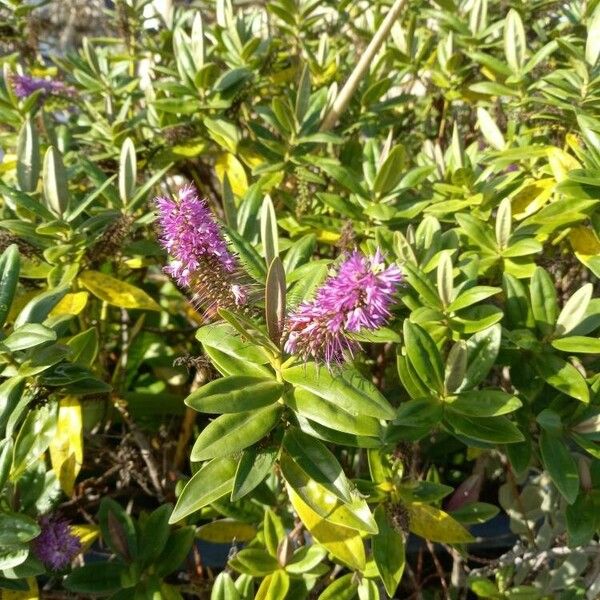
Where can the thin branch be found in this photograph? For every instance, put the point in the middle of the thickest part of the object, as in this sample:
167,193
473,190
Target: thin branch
343,98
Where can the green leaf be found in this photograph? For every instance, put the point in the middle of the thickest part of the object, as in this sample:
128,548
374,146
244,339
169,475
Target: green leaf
28,336
315,459
9,278
176,549
10,393
574,310
503,223
388,552
544,304
33,439
445,279
456,366
231,433
517,310
496,430
268,230
484,403
417,280
475,512
582,518
118,530
225,339
423,355
254,561
344,543
229,365
563,376
37,309
28,157
346,388
335,435
560,464
354,514
515,46
213,481
482,350
223,586
391,171
127,171
96,578
54,177
472,296
13,556
275,300
155,534
17,529
255,464
305,558
343,588
234,394
274,586
578,344
491,132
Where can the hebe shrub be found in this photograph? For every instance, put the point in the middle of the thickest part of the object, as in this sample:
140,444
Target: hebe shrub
351,335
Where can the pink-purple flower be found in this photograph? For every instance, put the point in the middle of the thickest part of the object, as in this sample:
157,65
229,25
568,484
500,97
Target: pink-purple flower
25,85
201,261
56,546
357,298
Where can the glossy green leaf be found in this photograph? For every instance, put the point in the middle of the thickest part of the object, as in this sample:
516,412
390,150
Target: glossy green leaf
496,430
234,394
544,304
423,355
230,433
560,464
28,157
213,481
563,376
483,403
388,551
9,278
328,413
54,177
255,464
346,388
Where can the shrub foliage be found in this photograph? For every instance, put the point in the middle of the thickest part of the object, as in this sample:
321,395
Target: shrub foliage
454,449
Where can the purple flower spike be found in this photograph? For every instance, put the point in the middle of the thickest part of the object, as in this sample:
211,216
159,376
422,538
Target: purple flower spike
201,261
24,86
357,298
56,546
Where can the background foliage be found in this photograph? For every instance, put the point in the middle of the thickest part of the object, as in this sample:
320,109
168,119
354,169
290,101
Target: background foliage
470,154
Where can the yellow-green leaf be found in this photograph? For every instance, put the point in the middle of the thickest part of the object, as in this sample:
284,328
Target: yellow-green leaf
87,534
343,543
66,447
435,525
225,531
228,164
116,292
274,586
71,304
531,196
561,163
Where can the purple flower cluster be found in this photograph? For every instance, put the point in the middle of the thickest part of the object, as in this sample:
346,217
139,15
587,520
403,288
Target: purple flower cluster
201,261
56,546
24,86
357,298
